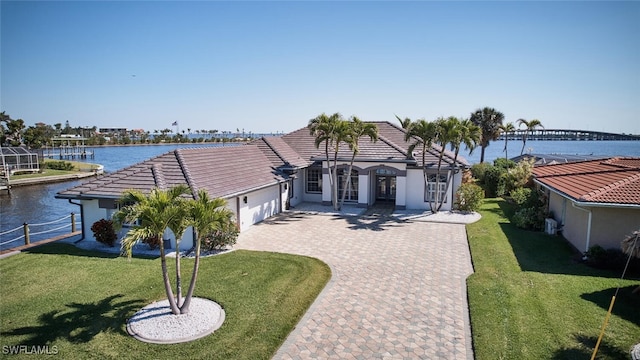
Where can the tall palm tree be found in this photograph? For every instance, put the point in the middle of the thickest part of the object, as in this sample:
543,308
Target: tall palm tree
153,213
489,121
324,129
529,126
358,129
206,216
422,133
505,129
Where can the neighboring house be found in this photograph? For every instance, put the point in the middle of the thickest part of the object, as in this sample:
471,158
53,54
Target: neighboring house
594,202
551,159
268,175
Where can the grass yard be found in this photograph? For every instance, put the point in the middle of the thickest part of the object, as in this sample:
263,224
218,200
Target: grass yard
78,301
530,299
77,167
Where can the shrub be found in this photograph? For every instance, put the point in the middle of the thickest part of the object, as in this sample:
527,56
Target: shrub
103,232
611,259
469,197
491,182
529,218
153,241
503,163
521,196
479,170
58,165
220,238
519,175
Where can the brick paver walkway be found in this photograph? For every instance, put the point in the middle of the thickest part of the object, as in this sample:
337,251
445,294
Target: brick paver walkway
397,289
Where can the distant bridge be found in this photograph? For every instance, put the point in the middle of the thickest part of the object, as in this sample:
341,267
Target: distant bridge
567,134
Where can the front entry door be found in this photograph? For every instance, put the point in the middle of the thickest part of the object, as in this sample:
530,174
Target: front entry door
385,188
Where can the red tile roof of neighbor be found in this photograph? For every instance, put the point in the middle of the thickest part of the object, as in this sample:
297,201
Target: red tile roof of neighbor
615,180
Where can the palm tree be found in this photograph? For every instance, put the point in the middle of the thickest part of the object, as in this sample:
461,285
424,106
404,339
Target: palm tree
489,121
505,129
466,133
357,129
323,128
530,126
404,123
206,216
423,133
153,214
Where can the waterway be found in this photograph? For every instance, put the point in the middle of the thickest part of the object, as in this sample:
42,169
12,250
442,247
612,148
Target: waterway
37,203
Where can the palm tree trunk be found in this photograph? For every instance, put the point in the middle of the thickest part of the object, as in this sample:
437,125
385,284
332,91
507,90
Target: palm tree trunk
482,147
194,276
178,275
167,284
347,182
506,153
334,188
524,143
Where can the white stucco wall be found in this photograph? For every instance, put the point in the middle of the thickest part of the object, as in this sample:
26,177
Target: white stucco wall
415,190
260,205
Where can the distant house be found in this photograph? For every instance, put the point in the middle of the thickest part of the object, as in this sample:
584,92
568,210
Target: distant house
268,175
594,202
551,159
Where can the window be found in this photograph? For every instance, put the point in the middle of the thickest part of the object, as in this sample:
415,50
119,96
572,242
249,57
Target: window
430,191
314,179
352,189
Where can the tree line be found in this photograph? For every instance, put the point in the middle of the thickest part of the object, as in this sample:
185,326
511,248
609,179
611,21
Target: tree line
14,132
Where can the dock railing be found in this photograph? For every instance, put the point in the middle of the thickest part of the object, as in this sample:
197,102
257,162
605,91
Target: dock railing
26,231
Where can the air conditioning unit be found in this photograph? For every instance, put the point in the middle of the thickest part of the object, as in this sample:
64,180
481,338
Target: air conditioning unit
550,226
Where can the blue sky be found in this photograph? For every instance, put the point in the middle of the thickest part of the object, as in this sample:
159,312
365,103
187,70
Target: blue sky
272,66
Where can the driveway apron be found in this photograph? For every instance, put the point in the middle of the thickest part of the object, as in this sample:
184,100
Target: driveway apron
397,289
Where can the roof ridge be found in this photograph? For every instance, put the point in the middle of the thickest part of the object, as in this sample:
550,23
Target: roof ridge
158,175
185,171
393,145
276,151
613,186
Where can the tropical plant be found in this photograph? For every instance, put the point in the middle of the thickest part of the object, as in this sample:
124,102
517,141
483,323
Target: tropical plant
505,129
457,132
329,130
530,126
469,197
404,123
356,129
423,133
103,232
489,121
151,215
208,217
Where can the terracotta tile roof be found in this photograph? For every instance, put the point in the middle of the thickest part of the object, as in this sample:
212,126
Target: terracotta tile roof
222,171
614,180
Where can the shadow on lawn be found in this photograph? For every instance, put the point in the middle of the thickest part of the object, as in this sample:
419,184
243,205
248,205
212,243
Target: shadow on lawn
626,305
585,350
79,323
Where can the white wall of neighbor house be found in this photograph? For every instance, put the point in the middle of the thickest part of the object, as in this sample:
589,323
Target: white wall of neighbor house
575,226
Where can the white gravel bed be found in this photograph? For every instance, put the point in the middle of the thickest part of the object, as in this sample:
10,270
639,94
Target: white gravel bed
155,323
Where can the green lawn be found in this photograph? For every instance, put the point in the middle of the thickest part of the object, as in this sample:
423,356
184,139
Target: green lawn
530,299
79,301
78,166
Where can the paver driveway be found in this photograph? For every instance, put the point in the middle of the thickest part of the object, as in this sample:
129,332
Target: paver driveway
397,288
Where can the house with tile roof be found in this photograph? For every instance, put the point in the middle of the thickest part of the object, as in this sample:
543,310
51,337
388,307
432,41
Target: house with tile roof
594,202
269,175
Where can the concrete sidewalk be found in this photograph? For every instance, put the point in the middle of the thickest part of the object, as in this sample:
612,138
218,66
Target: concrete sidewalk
397,291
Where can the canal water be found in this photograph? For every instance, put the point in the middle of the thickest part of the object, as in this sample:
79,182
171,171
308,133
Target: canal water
36,203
